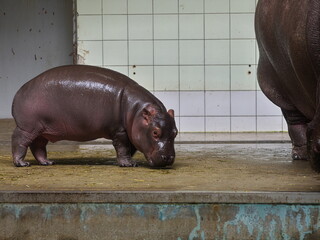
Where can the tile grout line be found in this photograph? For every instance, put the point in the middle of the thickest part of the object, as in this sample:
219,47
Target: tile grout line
179,66
204,67
102,33
256,83
159,14
169,39
153,62
230,91
128,47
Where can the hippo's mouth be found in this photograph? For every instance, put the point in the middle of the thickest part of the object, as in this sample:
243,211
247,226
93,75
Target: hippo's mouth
150,160
160,161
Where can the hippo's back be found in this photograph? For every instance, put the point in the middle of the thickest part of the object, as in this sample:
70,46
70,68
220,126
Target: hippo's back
70,99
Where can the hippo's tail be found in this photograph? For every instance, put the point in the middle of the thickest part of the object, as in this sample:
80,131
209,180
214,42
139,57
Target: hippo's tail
13,107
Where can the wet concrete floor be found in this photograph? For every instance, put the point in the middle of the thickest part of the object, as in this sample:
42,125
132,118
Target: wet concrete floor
204,166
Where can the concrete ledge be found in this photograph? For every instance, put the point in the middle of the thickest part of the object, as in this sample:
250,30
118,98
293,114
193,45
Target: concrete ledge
221,138
159,197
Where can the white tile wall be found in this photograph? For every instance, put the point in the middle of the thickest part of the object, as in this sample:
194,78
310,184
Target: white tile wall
139,6
165,6
93,8
140,52
90,52
191,52
140,27
239,25
217,77
115,53
266,124
166,52
265,107
166,78
217,6
190,6
192,124
243,124
218,27
191,103
170,99
142,75
115,27
191,26
191,78
218,103
243,77
243,103
198,57
242,6
217,52
166,26
243,51
91,27
218,124
110,6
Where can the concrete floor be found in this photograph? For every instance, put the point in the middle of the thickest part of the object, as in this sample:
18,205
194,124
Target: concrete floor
204,162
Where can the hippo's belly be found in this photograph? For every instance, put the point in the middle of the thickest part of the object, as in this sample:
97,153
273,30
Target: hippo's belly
282,32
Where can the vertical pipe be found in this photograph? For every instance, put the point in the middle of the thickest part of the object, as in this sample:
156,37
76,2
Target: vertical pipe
75,32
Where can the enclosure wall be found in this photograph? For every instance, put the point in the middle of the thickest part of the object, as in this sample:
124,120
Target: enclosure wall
198,57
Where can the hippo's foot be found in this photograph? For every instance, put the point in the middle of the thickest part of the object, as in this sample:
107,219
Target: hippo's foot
127,163
314,156
46,162
21,163
299,152
314,159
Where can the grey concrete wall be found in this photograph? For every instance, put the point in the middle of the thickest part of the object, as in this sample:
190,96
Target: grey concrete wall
158,221
35,35
161,215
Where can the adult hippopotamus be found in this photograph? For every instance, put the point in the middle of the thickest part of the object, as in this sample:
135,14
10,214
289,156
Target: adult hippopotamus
288,35
83,103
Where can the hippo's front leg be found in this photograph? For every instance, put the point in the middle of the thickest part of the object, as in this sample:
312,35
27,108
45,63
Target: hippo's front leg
124,149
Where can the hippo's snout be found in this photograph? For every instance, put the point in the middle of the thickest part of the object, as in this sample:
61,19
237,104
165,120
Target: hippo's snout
161,160
167,159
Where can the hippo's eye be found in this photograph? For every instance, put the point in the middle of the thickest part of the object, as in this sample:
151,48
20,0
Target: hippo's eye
156,133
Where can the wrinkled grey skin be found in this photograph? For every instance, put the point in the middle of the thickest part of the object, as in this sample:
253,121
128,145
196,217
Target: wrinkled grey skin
288,35
82,103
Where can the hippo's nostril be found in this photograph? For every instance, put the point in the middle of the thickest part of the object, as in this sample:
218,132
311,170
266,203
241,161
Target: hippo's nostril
168,159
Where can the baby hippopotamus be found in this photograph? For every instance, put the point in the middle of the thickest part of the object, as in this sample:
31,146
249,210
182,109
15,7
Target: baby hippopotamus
82,103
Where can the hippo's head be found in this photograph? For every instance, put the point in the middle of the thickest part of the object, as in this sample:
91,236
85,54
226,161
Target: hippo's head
153,133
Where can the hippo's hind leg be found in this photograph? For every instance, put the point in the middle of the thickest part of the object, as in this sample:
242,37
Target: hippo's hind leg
297,128
39,151
20,143
313,136
297,124
124,149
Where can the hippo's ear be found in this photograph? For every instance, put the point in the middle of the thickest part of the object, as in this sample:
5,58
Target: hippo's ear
148,113
171,112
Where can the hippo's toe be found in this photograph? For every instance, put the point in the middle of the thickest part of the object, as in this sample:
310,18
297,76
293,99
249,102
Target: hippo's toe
46,162
21,163
127,163
299,153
